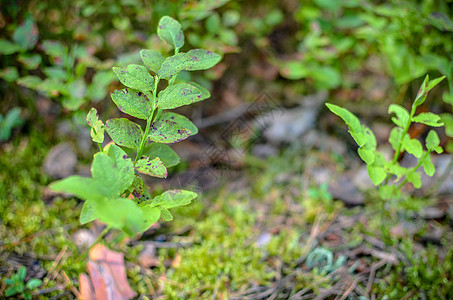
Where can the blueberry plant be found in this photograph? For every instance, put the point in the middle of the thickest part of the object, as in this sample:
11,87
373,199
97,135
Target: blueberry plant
115,193
379,169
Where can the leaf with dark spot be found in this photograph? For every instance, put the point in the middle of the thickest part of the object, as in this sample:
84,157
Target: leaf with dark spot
124,132
132,102
152,59
173,198
152,167
180,120
164,152
166,132
26,35
169,30
202,59
136,77
178,95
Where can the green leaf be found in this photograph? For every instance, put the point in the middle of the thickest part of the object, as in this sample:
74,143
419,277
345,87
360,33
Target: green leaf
97,126
166,215
11,291
174,64
56,73
169,30
414,178
426,86
124,132
88,213
427,165
433,141
54,49
33,283
180,120
178,95
112,174
30,81
413,146
173,198
402,115
11,120
152,167
202,59
113,169
21,273
428,118
6,47
377,174
395,137
136,77
434,82
205,94
132,102
138,189
164,131
83,187
355,128
164,152
396,169
441,21
10,74
121,213
152,59
366,155
422,92
349,118
389,192
193,60
31,61
150,215
26,35
9,281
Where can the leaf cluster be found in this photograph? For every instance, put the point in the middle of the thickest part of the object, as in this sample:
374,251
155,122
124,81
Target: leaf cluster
379,169
16,284
116,194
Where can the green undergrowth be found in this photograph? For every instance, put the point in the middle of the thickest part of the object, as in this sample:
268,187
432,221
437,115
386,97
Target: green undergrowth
29,225
236,239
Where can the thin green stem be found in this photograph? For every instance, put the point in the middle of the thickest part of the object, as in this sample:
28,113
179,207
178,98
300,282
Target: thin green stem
100,147
414,169
144,138
149,121
400,142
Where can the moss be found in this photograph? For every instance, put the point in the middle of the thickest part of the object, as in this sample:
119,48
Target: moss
28,224
224,257
429,274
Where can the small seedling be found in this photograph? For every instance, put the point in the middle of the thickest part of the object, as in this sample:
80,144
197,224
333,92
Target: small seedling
17,286
379,169
116,194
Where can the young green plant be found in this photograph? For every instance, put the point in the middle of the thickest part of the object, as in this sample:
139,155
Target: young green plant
16,285
116,194
379,169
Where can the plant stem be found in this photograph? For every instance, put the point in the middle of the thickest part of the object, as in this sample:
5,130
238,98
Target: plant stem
414,168
400,142
149,121
100,147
